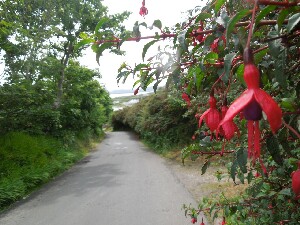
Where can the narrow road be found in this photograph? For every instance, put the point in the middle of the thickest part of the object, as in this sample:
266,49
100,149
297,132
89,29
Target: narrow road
122,183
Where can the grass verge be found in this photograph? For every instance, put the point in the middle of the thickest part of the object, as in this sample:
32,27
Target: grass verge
27,162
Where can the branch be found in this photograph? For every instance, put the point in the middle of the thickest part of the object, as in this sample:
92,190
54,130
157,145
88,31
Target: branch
284,3
291,129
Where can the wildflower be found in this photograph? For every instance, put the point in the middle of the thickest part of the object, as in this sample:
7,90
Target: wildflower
252,102
211,116
143,9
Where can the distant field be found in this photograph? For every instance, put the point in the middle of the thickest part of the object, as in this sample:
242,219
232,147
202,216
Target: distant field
126,99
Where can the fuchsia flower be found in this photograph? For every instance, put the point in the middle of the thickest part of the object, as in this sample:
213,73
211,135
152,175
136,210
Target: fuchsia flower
186,98
229,128
252,102
143,9
211,116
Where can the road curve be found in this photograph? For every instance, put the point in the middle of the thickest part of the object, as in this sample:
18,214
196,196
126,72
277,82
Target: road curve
122,183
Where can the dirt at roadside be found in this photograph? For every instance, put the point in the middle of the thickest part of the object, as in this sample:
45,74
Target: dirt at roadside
198,185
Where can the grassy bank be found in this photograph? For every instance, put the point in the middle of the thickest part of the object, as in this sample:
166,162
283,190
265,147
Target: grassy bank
30,161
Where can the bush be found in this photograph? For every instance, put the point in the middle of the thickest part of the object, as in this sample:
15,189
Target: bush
159,119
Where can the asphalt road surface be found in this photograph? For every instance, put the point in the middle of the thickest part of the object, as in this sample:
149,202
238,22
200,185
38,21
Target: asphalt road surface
122,183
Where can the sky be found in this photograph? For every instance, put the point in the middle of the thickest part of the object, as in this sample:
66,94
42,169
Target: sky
167,11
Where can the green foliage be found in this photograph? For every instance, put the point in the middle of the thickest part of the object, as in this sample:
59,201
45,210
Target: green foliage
159,119
30,161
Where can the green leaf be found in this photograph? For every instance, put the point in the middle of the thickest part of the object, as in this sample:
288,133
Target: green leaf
273,149
139,66
182,40
288,103
293,21
233,170
155,86
232,22
202,16
218,5
259,56
211,57
264,13
204,167
227,65
100,49
146,47
240,74
123,75
83,43
286,191
100,24
241,157
281,17
158,24
250,177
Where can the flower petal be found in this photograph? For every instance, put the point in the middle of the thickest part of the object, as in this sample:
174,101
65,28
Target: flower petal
202,117
238,105
270,107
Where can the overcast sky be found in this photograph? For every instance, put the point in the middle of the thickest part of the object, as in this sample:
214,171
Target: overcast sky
169,12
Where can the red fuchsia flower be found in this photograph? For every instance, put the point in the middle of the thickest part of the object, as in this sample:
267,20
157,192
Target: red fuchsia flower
229,128
194,220
143,9
224,221
252,102
215,44
211,116
186,98
296,182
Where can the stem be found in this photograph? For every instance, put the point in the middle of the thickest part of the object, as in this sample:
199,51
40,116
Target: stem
212,153
251,25
286,4
291,129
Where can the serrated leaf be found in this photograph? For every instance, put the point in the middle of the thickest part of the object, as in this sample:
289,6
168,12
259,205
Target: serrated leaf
100,24
264,12
146,47
227,65
241,157
158,24
204,167
232,22
218,5
293,21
